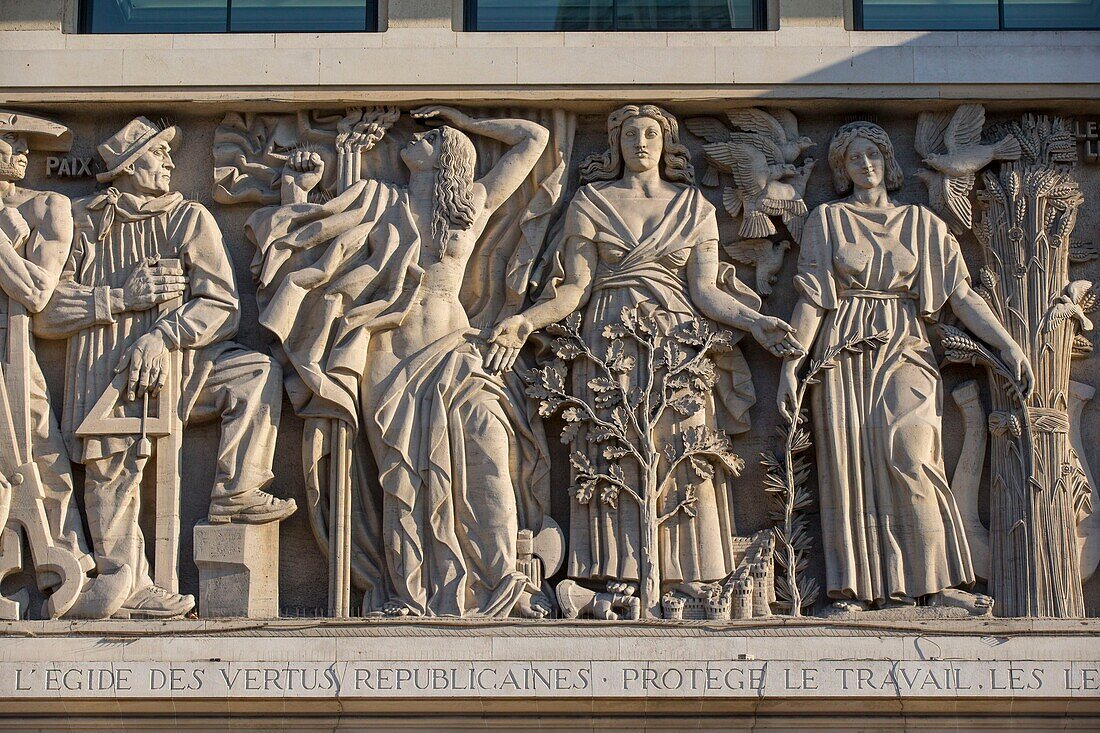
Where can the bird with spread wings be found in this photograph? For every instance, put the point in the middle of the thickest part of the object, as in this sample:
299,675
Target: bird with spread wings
951,145
760,158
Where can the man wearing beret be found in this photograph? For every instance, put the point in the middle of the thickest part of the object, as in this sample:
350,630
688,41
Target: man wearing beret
106,305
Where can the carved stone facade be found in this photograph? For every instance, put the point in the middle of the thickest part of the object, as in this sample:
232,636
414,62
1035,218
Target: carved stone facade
538,376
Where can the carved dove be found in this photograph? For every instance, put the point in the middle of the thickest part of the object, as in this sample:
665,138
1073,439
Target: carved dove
764,185
950,144
765,255
778,125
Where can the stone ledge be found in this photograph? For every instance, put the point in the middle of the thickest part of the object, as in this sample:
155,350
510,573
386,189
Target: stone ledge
328,666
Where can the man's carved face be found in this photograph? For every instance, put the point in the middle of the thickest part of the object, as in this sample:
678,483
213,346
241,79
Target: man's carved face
151,174
13,156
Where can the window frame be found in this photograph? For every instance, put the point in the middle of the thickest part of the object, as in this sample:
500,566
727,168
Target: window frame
857,23
759,23
85,9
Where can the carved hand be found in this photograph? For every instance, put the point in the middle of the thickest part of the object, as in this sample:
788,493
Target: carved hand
457,118
152,284
1017,362
147,359
302,171
777,336
507,339
788,391
13,226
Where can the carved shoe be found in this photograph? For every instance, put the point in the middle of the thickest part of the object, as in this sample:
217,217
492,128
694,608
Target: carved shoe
259,507
152,601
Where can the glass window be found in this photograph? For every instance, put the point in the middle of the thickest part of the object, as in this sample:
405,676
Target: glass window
221,16
931,15
614,15
1059,14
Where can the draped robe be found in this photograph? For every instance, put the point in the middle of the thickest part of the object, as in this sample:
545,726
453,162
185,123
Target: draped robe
330,277
652,268
891,526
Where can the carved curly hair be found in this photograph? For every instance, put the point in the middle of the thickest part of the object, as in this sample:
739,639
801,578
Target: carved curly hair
608,166
454,181
848,134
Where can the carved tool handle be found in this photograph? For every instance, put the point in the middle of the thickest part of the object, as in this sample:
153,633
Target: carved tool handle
167,545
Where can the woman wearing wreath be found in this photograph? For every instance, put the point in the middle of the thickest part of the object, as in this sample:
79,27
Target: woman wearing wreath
892,531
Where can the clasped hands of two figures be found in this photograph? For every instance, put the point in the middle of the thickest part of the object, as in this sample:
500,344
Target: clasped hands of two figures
151,284
509,336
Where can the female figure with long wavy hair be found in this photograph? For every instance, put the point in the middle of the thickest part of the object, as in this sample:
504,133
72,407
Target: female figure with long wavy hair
640,232
892,531
363,293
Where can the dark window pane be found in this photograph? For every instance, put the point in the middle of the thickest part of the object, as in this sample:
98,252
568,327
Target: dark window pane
155,16
610,15
220,16
303,16
930,15
1031,14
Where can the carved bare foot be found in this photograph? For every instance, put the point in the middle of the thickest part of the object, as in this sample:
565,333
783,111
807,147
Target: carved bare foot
976,603
532,605
850,606
395,609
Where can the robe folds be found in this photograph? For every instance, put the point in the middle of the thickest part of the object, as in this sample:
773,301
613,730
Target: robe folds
604,541
424,534
891,527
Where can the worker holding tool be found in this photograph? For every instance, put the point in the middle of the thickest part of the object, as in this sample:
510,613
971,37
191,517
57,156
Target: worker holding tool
35,233
118,273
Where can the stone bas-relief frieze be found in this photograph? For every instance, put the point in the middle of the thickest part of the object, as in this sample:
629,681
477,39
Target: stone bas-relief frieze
484,341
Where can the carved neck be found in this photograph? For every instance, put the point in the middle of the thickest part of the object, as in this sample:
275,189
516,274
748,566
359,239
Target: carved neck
875,197
422,185
647,182
7,188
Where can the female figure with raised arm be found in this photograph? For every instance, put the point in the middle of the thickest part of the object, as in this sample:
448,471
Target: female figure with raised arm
638,233
892,531
363,292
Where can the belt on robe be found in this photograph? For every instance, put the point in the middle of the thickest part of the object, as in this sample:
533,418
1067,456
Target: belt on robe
878,294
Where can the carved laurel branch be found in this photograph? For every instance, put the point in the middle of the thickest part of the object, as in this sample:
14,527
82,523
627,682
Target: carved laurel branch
786,481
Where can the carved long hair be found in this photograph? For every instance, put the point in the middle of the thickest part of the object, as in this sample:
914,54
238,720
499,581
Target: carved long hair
453,203
838,150
608,166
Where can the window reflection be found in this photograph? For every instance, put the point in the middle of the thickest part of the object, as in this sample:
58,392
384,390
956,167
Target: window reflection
220,16
930,15
613,15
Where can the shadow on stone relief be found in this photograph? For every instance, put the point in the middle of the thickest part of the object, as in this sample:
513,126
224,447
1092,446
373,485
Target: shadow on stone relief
514,345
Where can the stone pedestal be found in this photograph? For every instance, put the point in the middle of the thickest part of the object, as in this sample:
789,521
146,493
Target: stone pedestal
238,570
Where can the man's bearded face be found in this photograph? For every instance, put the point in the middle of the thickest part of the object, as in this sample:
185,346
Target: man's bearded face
13,156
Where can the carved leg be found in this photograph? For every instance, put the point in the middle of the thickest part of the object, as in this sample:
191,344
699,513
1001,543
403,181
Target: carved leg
968,473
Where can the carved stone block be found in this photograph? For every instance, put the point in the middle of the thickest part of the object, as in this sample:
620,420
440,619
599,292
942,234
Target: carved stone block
238,570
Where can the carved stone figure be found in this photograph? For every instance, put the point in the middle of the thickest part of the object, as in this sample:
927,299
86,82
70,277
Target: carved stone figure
951,145
760,160
639,232
119,342
892,531
363,293
36,488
